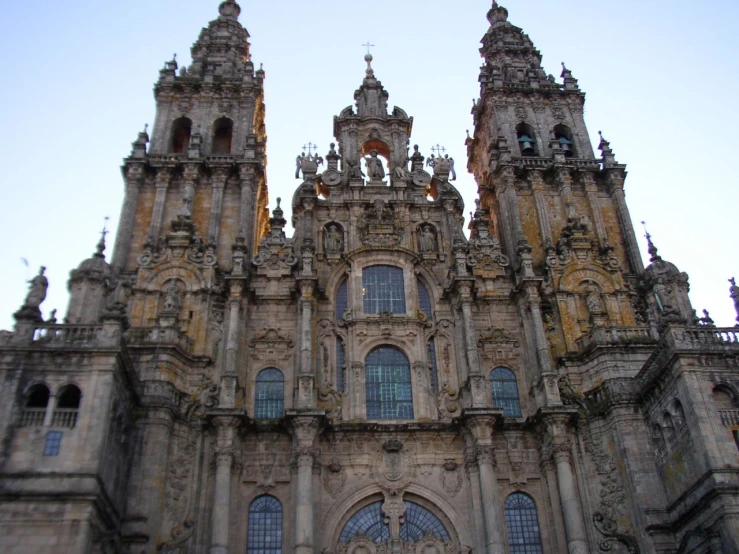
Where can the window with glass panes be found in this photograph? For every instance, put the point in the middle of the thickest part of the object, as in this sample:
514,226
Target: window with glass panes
505,391
264,530
269,400
340,364
417,521
388,384
383,289
522,525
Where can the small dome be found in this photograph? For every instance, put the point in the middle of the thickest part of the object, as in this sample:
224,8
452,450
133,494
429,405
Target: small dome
94,267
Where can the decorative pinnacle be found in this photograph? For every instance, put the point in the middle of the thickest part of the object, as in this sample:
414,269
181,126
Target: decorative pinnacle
101,243
229,9
368,58
652,249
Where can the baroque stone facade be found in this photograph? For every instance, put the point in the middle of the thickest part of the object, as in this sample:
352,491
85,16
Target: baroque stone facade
380,381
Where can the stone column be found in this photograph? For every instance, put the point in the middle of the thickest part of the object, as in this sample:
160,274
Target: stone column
134,175
229,377
616,181
224,458
475,378
547,373
304,433
157,214
216,206
474,474
247,220
480,429
307,374
510,212
561,448
591,193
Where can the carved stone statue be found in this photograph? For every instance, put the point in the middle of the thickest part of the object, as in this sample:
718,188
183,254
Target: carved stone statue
374,167
661,295
334,240
734,292
427,239
594,301
37,291
172,298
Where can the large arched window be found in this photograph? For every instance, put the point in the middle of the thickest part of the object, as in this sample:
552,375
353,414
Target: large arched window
222,134
388,384
505,391
341,302
181,130
269,400
383,289
417,521
264,531
522,524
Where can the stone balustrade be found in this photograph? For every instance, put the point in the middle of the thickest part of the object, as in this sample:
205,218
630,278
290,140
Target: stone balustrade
33,417
159,336
729,418
62,335
616,336
64,417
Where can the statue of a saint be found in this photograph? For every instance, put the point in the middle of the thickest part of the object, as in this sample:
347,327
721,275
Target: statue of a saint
334,240
400,171
661,295
594,301
427,239
172,297
374,167
37,291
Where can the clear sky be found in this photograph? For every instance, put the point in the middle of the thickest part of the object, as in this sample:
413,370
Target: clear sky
660,76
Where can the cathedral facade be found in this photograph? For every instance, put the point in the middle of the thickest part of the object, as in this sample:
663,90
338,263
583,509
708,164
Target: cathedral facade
381,381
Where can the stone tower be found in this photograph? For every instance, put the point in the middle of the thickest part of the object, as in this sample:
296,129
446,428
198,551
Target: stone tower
381,380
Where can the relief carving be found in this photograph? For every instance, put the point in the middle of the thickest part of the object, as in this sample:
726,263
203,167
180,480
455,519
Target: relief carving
271,343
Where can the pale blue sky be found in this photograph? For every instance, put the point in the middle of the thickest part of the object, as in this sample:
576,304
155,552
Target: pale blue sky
660,76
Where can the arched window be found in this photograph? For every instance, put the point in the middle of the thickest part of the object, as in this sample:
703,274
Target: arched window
222,134
424,300
433,368
563,135
669,426
522,524
388,384
340,364
383,289
34,411
678,415
181,131
341,302
417,521
505,391
269,400
264,531
67,407
526,139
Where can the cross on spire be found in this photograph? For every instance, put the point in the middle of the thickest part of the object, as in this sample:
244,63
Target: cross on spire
310,147
368,46
105,227
438,150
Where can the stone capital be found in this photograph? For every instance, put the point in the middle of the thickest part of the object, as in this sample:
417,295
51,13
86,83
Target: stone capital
304,429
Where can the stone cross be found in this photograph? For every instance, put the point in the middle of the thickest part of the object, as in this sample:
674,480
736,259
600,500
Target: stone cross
438,150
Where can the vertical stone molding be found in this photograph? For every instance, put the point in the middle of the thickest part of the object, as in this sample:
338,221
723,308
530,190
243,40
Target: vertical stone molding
509,211
591,193
537,185
247,220
220,175
157,215
134,175
616,181
229,378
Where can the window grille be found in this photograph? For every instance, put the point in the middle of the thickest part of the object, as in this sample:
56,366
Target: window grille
264,531
341,301
388,384
340,364
370,521
424,300
270,394
432,365
505,391
522,524
53,443
383,289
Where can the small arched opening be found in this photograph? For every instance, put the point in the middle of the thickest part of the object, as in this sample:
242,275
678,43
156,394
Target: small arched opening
34,411
180,139
67,407
526,138
376,157
563,135
222,136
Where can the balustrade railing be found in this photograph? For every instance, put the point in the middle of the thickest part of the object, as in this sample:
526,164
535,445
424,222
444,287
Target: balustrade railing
611,336
33,417
64,417
66,334
144,336
729,418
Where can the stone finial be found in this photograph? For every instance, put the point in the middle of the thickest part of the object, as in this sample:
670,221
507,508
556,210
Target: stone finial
652,249
497,14
370,72
734,293
229,9
609,159
100,248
